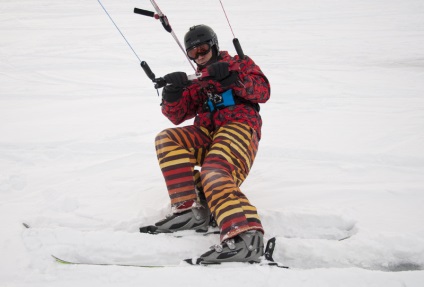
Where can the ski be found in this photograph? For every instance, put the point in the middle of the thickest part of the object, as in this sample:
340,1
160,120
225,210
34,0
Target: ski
267,261
152,229
184,263
200,262
71,262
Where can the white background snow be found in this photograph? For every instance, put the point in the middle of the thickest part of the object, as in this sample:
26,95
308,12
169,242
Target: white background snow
342,152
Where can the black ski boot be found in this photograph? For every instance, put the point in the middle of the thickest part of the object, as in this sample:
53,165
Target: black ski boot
197,218
245,247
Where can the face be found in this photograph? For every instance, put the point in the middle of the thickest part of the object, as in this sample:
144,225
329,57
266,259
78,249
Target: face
201,54
203,59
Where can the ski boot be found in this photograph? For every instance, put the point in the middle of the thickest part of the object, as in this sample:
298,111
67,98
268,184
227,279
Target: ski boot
189,215
245,247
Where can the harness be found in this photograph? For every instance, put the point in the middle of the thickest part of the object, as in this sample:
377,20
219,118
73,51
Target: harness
226,99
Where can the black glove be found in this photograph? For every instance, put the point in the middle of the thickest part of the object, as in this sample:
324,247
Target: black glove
230,80
219,71
172,93
177,79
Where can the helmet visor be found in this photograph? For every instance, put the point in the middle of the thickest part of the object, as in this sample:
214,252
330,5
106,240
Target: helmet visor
199,50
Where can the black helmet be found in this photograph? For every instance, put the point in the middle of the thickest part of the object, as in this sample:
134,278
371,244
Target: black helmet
200,34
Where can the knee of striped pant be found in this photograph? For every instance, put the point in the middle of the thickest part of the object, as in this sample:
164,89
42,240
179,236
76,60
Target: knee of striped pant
160,139
164,144
161,134
217,165
217,187
214,178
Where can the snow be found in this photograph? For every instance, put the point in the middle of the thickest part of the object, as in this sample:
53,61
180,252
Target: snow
339,174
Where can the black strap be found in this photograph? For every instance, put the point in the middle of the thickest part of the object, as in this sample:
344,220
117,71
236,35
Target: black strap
240,100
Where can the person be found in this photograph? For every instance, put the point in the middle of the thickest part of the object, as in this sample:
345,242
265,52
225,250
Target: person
223,141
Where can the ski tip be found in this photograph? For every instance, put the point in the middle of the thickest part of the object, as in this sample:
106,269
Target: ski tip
57,259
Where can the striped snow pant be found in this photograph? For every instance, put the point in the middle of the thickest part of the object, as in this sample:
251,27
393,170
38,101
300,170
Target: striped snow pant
225,157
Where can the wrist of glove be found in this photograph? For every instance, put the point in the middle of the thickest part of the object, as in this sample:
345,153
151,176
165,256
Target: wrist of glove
220,72
172,93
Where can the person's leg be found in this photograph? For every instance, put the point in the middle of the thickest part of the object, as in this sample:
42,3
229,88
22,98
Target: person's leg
179,150
226,166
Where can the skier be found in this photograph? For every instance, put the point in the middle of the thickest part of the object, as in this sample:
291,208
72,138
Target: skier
223,141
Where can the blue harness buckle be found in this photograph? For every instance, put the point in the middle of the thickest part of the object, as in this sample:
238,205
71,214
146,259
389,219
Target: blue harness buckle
219,101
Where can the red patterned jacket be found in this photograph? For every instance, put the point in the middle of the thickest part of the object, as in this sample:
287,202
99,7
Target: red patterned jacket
251,89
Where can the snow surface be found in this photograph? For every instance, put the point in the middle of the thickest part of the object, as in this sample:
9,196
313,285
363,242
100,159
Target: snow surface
342,153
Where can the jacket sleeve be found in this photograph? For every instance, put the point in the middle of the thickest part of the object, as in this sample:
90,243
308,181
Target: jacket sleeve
252,85
183,109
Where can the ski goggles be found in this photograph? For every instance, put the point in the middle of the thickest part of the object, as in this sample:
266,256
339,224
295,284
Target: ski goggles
200,50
